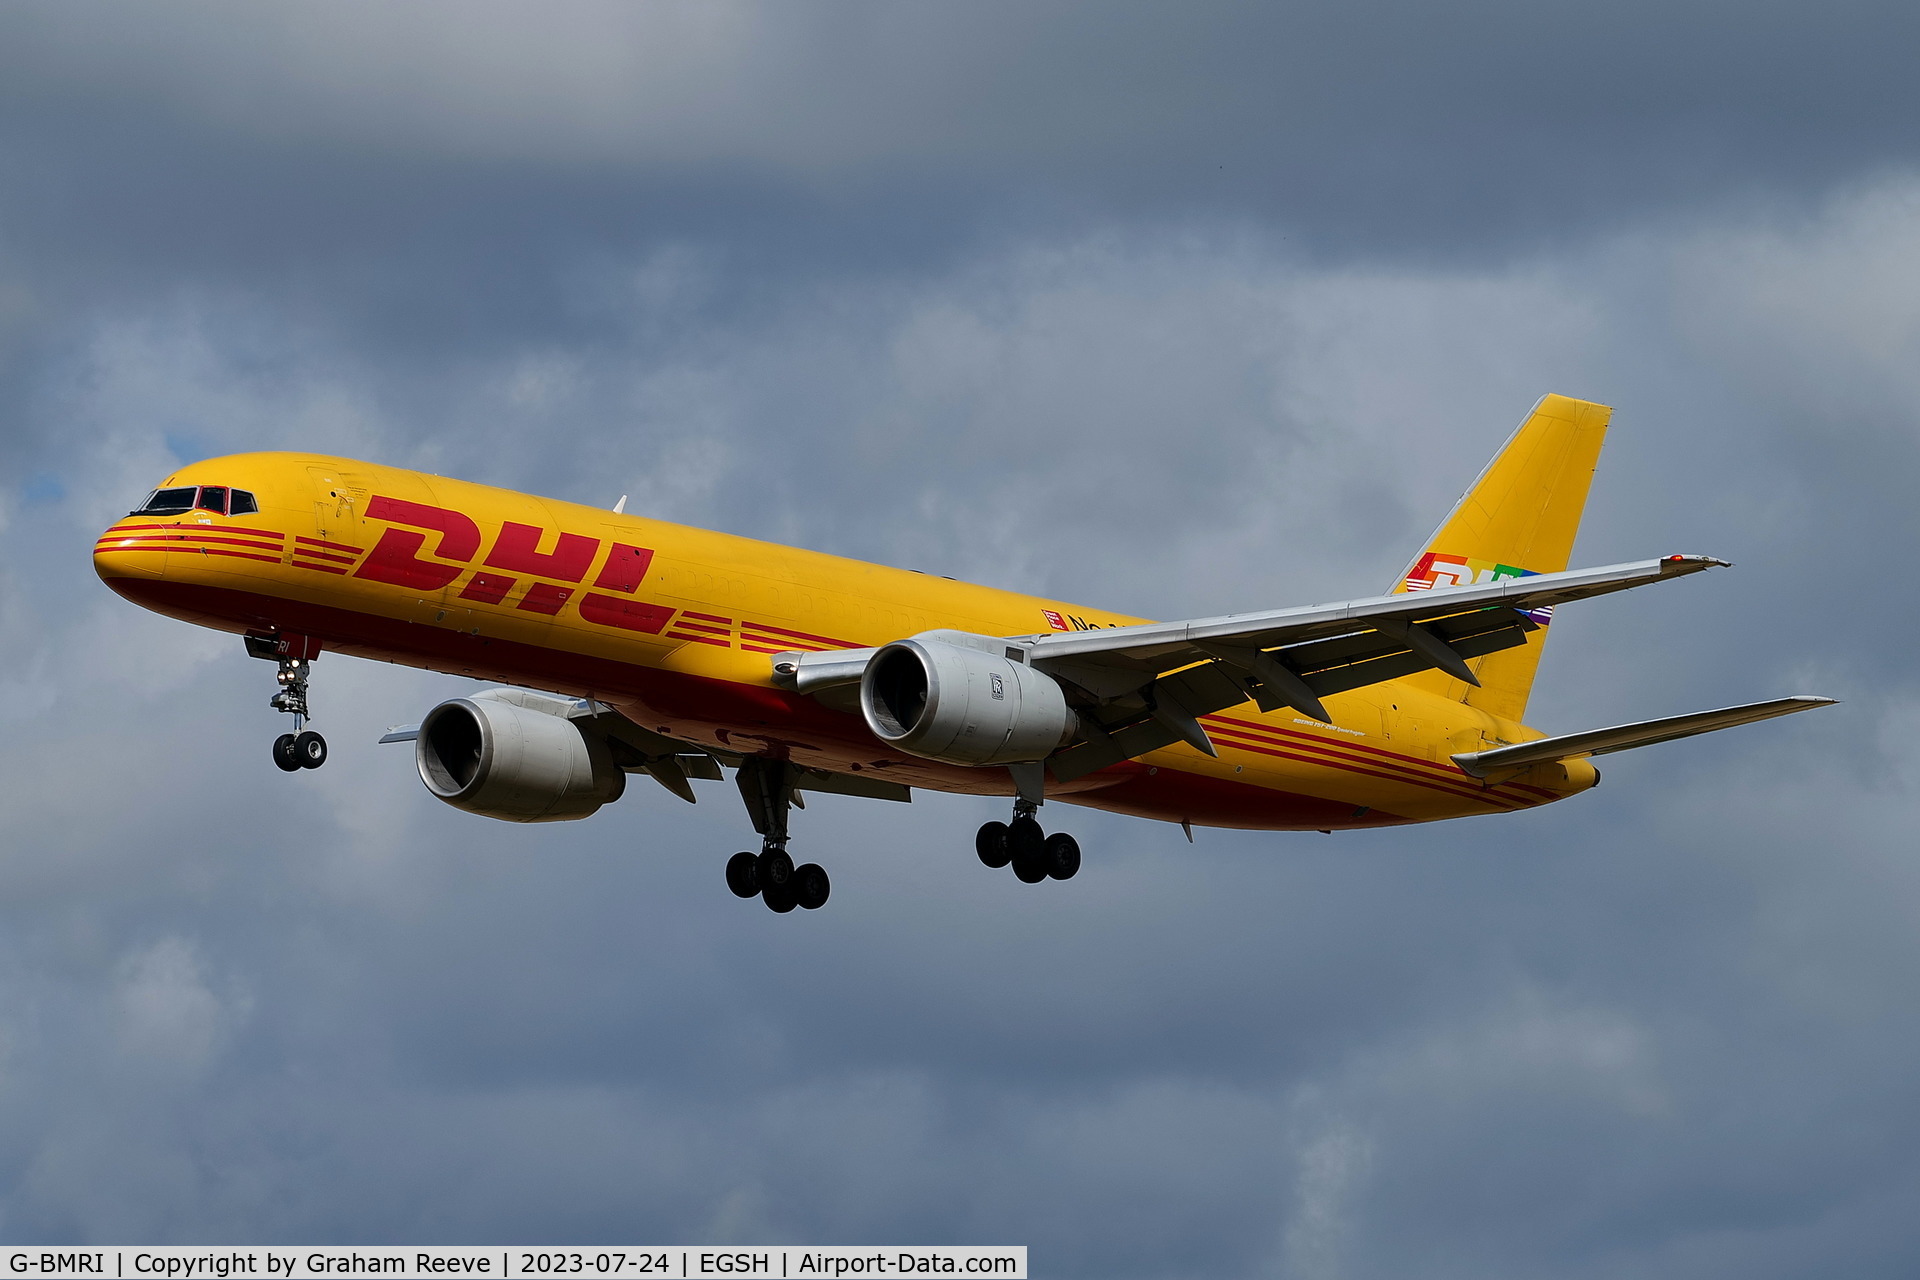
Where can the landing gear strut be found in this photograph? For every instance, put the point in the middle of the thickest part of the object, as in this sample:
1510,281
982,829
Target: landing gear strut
767,787
303,748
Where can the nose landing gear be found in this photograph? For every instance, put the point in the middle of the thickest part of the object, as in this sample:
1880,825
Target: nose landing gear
303,748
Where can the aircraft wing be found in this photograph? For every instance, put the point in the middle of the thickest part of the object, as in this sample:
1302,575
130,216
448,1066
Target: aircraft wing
1156,680
1598,742
1143,687
1160,646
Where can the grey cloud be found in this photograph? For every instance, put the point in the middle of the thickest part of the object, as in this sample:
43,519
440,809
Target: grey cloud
1371,125
1663,1028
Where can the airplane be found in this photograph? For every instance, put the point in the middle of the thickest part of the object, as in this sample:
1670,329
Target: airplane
627,645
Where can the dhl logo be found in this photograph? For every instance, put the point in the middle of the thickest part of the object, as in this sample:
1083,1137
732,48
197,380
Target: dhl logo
516,554
396,559
1071,622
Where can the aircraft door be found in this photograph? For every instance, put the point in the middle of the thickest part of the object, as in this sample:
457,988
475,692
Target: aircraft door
340,500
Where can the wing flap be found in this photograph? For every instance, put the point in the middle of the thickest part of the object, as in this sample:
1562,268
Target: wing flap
1599,742
1391,666
852,784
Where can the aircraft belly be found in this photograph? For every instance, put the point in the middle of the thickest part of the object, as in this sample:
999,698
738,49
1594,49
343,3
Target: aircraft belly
1294,782
1174,796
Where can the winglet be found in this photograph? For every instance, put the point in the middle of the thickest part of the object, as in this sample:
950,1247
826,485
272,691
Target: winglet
1690,564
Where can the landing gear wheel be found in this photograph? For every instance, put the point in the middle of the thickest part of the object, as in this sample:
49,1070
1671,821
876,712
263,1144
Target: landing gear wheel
743,875
810,886
776,871
1030,870
779,897
1061,856
990,842
283,753
310,749
1027,844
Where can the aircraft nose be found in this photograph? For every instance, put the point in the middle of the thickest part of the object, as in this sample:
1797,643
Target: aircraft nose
123,552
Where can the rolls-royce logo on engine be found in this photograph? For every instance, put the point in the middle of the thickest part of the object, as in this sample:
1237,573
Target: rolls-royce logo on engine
999,689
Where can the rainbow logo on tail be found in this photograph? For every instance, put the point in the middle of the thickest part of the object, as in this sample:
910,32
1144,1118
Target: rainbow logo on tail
1437,569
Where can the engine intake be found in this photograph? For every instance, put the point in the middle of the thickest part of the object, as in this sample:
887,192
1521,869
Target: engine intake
514,760
942,696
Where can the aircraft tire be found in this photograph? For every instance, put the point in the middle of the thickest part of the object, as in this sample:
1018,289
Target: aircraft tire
775,870
283,753
811,887
1027,845
310,749
1062,856
990,842
779,898
743,875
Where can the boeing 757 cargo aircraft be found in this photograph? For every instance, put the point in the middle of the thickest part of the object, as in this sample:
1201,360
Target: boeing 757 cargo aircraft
630,646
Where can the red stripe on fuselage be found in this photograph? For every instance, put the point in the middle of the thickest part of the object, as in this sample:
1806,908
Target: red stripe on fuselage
159,541
197,548
322,556
1382,770
1322,751
1446,773
829,641
701,627
196,527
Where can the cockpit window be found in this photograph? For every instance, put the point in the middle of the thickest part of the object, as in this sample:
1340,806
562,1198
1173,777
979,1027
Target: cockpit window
167,502
216,498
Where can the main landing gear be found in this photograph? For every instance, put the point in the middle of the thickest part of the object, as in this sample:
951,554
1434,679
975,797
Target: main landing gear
1035,855
303,748
767,787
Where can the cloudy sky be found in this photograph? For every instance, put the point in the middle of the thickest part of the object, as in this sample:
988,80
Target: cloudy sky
1175,309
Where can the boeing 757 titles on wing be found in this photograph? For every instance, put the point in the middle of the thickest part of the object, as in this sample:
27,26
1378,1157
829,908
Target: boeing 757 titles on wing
675,652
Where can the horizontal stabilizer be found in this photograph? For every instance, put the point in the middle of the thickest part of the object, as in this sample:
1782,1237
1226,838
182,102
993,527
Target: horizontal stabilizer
1598,742
401,733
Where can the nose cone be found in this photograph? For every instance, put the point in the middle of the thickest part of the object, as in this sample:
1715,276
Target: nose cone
128,554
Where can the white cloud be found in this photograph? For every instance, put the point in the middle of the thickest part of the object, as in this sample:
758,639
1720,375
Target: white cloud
169,1013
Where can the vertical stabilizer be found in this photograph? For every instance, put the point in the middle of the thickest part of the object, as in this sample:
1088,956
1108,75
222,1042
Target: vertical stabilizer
1519,518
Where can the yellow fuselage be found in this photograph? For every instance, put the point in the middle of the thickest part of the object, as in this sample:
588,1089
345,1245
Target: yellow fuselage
676,626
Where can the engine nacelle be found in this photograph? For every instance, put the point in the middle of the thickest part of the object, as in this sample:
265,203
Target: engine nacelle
938,696
503,754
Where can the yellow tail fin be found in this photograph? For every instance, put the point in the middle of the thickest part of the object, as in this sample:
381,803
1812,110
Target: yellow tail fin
1518,518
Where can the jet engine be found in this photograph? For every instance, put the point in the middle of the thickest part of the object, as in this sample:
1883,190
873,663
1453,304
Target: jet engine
956,698
513,755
